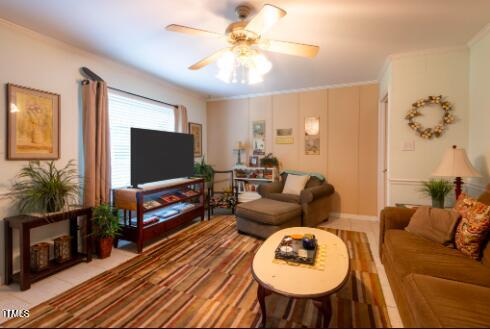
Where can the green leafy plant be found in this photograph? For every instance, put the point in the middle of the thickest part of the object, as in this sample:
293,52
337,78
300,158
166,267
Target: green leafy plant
106,223
45,188
437,189
202,169
269,161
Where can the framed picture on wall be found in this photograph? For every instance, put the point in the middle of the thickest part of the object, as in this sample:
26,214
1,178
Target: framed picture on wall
284,136
253,161
195,129
258,133
312,136
33,124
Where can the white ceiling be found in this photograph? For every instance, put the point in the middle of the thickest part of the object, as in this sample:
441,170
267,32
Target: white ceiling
355,36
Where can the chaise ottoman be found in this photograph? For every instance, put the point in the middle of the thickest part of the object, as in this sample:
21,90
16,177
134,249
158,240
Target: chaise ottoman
263,217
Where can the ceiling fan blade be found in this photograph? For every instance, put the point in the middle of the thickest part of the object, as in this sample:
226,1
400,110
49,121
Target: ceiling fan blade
265,19
290,48
208,60
192,31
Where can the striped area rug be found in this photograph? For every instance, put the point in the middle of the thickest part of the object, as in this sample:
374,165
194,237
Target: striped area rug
201,278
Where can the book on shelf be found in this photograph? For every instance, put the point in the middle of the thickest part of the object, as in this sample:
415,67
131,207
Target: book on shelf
150,204
247,187
146,221
168,198
168,212
183,206
189,193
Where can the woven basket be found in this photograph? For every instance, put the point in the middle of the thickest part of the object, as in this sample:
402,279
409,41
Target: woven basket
39,256
62,249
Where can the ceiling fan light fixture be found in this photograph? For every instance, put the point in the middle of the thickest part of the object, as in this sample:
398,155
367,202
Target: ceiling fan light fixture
262,64
254,77
246,66
241,61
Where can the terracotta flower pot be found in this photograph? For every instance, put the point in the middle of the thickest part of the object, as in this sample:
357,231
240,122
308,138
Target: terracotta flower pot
104,247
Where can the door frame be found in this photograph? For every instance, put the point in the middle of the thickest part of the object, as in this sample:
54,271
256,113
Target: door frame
383,153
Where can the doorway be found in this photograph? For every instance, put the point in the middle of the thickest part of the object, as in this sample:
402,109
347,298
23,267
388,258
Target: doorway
383,154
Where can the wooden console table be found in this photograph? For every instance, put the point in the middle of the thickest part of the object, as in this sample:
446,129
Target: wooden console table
146,202
25,223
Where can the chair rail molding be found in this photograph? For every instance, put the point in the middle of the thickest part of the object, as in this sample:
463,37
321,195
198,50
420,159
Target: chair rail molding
406,181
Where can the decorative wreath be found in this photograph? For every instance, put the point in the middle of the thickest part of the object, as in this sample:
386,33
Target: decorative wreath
438,130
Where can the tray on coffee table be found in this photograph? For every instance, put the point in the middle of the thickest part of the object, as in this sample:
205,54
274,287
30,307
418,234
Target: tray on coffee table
292,250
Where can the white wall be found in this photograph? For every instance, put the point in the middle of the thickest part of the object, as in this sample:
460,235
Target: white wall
479,131
414,77
32,60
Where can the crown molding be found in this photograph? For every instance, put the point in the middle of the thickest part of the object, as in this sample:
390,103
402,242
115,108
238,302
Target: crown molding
291,91
480,35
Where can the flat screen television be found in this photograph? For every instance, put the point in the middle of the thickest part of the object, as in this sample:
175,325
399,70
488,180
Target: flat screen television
160,155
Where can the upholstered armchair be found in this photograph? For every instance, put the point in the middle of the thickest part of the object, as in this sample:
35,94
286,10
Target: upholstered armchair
314,199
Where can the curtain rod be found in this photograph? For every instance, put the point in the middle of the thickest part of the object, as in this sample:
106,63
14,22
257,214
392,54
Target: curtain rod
94,77
144,97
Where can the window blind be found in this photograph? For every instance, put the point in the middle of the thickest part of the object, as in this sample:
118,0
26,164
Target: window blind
126,112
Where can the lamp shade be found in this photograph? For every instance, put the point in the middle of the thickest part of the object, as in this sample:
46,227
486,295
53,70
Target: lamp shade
455,163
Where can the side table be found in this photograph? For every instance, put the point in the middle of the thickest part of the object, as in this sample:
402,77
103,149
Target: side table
24,224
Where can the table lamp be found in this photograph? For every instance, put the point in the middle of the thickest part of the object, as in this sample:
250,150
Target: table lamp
239,147
455,163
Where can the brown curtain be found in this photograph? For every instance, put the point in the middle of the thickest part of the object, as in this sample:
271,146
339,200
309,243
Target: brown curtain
181,123
97,155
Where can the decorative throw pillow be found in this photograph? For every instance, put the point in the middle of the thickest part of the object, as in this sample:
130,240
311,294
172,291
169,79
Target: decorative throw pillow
434,224
474,226
295,184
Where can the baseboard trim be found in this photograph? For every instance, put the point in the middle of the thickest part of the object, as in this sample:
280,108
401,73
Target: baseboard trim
354,216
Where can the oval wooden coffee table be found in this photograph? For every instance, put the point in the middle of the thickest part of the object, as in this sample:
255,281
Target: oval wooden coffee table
318,282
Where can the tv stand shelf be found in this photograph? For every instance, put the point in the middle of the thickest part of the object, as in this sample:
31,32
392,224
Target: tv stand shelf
154,220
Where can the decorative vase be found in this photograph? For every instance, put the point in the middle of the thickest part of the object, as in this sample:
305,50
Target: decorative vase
438,203
104,247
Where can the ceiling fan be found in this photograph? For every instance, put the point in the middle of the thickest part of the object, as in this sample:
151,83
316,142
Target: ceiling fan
242,60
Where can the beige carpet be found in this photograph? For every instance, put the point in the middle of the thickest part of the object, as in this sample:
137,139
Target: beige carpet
201,278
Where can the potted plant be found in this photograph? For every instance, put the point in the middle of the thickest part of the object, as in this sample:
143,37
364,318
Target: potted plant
269,161
106,228
204,170
45,188
437,189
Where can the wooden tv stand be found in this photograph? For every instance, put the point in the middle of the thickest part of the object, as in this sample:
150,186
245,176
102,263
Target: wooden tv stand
146,203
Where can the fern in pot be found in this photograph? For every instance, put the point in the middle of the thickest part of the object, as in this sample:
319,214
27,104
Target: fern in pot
106,228
204,170
45,188
437,189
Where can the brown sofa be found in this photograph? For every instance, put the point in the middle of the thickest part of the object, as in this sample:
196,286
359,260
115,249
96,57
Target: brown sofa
433,285
314,199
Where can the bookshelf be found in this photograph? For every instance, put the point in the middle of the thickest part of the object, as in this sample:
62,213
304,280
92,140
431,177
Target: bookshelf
248,179
151,211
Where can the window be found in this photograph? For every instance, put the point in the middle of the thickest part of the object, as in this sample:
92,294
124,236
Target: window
125,112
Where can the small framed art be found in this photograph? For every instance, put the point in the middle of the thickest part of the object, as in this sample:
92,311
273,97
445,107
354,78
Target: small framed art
195,129
253,161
